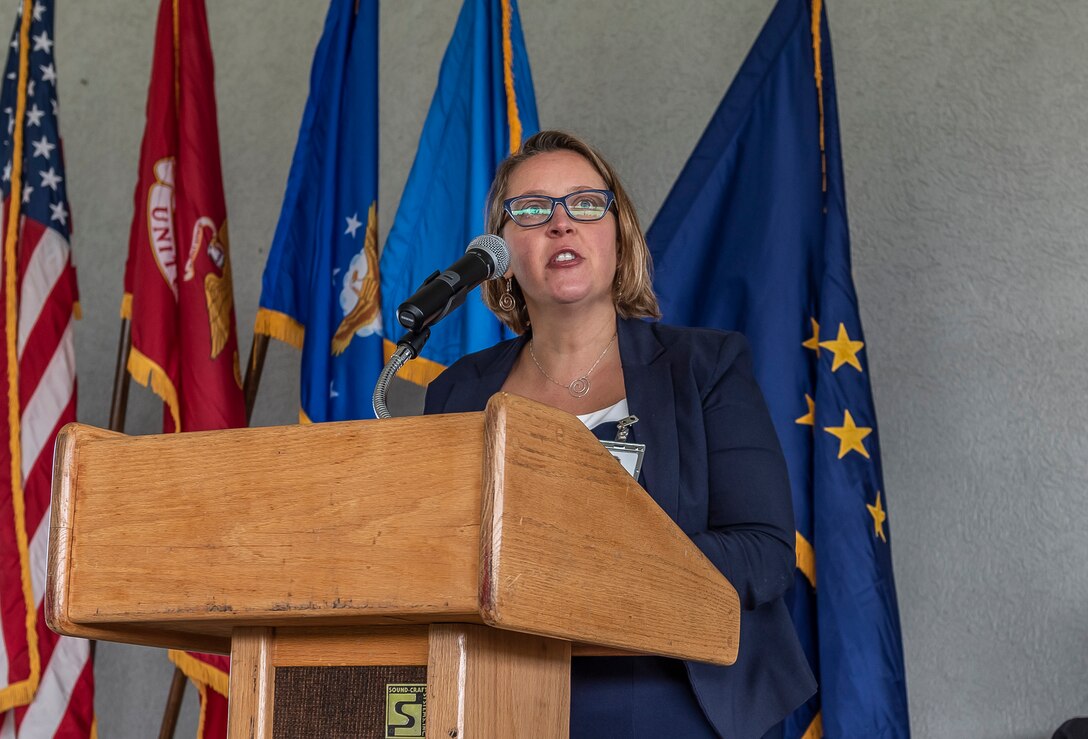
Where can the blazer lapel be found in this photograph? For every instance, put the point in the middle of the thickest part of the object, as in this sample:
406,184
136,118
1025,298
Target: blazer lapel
472,393
650,396
648,382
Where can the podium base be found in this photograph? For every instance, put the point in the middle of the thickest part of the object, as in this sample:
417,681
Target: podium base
372,682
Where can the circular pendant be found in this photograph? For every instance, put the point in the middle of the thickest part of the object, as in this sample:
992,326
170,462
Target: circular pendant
579,387
506,302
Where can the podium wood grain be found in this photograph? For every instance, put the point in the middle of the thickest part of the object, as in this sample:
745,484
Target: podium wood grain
566,535
201,532
252,684
342,646
489,683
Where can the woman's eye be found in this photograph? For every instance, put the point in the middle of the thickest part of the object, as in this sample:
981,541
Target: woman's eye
588,200
532,208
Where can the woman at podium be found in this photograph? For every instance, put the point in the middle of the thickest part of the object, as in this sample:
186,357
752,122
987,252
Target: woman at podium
578,292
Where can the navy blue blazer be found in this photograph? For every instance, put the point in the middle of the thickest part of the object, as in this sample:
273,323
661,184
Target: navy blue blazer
714,464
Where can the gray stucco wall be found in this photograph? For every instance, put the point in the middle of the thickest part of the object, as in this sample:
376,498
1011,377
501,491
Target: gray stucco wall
965,136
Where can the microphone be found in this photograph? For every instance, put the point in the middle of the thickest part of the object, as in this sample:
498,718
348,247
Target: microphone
487,257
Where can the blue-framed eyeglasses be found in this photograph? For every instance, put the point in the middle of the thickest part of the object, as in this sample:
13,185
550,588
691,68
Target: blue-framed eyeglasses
536,210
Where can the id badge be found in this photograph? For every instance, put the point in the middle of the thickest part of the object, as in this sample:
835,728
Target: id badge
628,454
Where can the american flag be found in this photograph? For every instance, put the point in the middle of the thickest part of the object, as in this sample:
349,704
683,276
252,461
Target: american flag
46,682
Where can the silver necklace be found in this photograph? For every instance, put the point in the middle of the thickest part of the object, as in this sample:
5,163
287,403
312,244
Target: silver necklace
579,386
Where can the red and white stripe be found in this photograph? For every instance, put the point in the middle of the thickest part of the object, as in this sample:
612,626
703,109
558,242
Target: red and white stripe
63,703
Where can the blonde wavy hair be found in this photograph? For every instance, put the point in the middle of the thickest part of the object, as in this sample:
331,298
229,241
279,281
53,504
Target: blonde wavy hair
632,287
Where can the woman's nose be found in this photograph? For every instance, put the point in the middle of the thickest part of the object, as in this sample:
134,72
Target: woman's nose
561,221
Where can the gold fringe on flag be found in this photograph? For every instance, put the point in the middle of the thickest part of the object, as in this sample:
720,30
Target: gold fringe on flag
513,119
806,559
279,326
420,370
151,375
201,673
815,729
817,6
202,691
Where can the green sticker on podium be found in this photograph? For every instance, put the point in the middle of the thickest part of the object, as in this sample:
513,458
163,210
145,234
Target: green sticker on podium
405,710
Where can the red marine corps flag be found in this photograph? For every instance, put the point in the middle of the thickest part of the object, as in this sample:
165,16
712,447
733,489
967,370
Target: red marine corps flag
178,291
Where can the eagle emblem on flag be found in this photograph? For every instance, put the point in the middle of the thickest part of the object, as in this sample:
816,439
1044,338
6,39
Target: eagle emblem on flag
359,298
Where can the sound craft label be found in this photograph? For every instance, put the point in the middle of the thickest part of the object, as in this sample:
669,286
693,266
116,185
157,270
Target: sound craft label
405,710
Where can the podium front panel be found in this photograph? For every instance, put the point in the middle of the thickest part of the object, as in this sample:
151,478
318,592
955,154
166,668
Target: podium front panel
333,523
375,702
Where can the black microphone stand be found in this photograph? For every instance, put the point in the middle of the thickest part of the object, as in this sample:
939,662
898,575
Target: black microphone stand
408,348
439,294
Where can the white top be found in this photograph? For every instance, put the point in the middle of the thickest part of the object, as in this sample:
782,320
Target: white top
613,413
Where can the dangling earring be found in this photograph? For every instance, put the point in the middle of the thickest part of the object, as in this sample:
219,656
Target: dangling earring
506,300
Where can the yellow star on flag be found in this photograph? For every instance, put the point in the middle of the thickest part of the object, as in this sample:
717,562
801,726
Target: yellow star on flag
814,342
879,517
850,436
809,419
846,351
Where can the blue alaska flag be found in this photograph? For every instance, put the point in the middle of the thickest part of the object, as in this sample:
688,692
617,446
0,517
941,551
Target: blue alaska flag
321,290
483,108
753,237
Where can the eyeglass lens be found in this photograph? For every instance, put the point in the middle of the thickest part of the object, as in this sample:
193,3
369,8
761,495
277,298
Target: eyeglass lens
532,210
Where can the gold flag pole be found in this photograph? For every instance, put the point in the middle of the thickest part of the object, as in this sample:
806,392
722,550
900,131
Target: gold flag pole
258,350
121,378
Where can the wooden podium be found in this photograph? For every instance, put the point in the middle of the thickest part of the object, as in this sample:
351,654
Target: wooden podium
344,566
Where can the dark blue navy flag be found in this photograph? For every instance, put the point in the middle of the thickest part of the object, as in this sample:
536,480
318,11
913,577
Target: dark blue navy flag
753,237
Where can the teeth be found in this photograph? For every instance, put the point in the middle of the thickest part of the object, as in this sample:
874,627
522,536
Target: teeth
564,256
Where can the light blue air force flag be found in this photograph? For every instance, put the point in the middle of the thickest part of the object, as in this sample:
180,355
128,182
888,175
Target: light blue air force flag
483,108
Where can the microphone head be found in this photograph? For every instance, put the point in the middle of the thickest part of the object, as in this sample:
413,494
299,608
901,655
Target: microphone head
496,250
